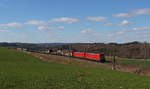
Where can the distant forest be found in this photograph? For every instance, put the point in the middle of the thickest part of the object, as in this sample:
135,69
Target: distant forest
137,50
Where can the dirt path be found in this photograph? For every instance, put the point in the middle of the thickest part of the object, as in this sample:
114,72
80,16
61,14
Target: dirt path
87,63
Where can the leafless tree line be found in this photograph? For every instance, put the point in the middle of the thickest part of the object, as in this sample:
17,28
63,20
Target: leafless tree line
134,50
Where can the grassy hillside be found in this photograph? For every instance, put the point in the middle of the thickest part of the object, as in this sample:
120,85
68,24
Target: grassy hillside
19,70
140,63
135,62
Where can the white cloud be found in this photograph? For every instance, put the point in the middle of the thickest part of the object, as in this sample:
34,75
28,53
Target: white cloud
45,27
109,24
121,15
98,19
117,33
13,24
145,34
109,35
122,32
133,29
3,30
123,23
144,11
87,31
90,32
61,27
41,28
36,22
141,29
65,20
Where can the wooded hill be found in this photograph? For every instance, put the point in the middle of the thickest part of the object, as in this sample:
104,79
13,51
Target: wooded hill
135,50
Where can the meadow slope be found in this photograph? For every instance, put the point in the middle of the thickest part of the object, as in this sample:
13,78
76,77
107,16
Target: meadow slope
18,70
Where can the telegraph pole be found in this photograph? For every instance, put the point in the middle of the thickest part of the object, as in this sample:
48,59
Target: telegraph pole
145,56
114,58
70,54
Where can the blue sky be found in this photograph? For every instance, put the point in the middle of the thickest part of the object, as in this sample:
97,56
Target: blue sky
42,21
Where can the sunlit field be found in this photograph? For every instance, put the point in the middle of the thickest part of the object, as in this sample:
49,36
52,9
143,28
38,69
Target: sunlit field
135,62
19,70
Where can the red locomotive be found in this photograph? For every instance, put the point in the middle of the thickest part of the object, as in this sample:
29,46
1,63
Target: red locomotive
97,57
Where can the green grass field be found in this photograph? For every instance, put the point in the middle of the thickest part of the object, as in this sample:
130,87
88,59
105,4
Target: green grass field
19,70
134,62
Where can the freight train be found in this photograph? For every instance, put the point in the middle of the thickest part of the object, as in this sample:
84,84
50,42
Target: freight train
100,57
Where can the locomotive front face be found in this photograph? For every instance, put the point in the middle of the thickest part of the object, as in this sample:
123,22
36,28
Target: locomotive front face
102,58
